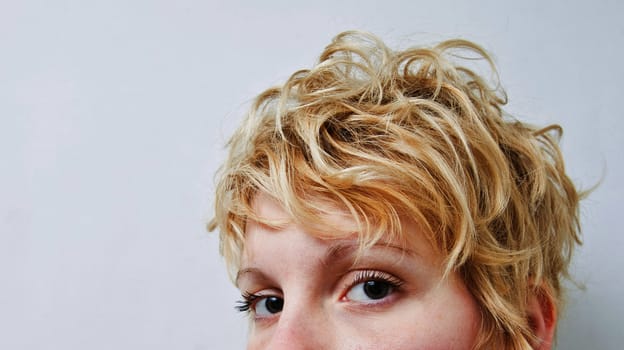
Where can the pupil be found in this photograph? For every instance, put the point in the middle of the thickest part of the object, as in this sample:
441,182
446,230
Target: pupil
376,289
274,304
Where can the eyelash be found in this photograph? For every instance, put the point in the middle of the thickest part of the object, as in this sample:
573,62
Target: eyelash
375,275
247,302
249,299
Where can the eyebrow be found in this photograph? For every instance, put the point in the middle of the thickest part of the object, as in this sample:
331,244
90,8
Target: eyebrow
347,250
250,271
336,252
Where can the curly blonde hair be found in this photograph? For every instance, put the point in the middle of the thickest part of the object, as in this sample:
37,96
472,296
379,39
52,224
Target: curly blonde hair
386,134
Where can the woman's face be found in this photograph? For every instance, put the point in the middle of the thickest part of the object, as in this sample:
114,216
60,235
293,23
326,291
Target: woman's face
303,292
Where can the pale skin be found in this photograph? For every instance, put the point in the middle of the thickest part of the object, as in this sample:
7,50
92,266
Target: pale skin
312,293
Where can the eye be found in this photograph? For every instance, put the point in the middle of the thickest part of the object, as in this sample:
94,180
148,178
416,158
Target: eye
268,306
260,305
371,286
369,290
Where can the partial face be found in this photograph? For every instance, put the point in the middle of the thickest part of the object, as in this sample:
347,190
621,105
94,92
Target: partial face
303,292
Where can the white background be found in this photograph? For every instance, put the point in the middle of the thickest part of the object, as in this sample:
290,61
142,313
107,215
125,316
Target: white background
113,117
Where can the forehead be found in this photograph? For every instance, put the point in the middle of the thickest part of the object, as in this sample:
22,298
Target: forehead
333,229
331,221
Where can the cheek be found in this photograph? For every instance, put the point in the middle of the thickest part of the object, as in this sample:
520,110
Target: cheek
457,324
454,319
446,319
259,339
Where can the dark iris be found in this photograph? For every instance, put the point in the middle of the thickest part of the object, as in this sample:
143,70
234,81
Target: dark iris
376,289
274,304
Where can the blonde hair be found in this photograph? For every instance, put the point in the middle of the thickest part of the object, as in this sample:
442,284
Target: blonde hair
389,134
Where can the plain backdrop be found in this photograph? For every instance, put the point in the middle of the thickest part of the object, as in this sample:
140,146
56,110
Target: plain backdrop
113,119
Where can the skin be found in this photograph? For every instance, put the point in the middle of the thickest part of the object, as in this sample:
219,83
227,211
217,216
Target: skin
325,302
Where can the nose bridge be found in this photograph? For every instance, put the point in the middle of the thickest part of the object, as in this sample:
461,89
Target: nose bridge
302,326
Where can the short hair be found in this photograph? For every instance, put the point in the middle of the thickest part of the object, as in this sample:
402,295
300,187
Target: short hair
412,133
